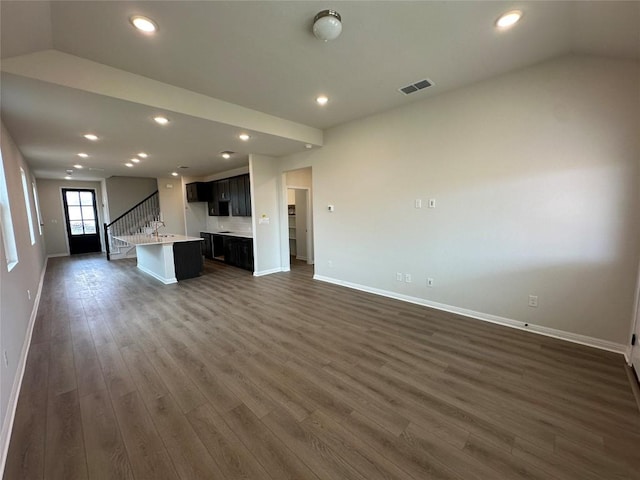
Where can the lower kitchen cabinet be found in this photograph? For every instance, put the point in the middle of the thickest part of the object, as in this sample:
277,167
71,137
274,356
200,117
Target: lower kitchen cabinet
239,252
236,251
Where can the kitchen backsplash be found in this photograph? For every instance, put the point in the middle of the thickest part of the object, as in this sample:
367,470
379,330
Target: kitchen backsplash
234,224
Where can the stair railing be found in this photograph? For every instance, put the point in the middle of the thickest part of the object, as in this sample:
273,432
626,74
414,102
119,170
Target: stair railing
134,221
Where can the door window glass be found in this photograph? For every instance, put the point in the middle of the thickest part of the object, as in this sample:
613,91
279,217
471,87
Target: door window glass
82,219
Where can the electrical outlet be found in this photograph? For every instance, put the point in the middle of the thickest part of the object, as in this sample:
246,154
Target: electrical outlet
6,359
399,276
533,300
429,282
407,277
29,294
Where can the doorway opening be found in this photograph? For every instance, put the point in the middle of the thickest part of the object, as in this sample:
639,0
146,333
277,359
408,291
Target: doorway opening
81,217
298,241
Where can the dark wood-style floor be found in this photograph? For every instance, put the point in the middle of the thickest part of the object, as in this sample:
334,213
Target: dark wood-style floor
228,376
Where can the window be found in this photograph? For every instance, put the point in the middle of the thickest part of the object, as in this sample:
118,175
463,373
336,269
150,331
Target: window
82,219
37,202
6,224
27,204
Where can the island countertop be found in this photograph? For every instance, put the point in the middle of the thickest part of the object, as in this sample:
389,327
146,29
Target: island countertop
146,239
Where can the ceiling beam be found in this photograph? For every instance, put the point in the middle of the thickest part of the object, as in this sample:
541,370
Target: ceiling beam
60,68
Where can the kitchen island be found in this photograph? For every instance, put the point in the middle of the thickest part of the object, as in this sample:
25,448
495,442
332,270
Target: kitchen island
168,258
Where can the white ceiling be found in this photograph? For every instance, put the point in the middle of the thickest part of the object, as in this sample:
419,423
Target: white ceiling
261,56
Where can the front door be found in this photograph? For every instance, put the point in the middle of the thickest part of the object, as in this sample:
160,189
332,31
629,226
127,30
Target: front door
82,220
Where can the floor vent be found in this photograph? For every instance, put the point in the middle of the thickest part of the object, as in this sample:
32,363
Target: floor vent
414,87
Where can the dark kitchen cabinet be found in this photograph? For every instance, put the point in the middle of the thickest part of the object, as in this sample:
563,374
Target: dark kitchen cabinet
239,252
187,259
207,245
230,196
240,192
197,192
222,188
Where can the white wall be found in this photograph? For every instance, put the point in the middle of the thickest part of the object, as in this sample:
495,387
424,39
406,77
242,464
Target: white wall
535,176
265,200
126,192
17,311
53,218
172,197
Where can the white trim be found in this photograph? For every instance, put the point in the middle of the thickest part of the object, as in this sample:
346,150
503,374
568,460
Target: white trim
268,272
54,255
304,259
9,418
486,317
166,281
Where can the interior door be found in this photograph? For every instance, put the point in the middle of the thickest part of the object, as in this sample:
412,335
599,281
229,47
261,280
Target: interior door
81,216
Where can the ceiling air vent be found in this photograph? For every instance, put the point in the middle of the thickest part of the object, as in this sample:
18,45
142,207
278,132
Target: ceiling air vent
414,87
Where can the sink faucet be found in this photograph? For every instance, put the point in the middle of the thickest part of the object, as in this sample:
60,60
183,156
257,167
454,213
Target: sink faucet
158,224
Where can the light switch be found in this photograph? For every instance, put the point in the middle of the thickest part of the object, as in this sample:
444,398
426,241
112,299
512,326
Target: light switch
330,208
418,203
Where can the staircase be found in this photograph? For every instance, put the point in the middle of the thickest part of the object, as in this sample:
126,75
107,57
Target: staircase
138,219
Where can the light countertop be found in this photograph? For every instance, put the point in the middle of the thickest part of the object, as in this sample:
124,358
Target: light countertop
143,239
231,234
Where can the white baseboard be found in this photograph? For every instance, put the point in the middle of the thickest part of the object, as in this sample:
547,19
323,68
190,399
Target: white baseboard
54,255
268,272
486,317
300,257
7,426
166,281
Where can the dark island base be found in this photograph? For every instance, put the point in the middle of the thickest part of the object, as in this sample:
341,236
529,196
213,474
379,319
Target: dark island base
187,258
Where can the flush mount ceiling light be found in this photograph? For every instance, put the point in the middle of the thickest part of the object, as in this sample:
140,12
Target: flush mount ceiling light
322,100
91,136
130,165
244,137
161,120
174,174
144,24
143,155
68,177
327,25
83,155
135,160
508,19
78,166
226,155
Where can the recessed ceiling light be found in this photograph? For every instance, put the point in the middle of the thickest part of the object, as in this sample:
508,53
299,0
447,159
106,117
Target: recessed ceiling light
129,165
509,19
78,166
143,155
226,154
91,136
244,137
322,100
308,146
83,155
68,177
144,24
175,174
135,160
161,120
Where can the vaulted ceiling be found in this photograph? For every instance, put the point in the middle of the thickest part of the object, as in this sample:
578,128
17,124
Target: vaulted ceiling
217,69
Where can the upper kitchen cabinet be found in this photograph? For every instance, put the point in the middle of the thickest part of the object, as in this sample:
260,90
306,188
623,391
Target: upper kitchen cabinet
230,196
223,190
198,192
240,193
